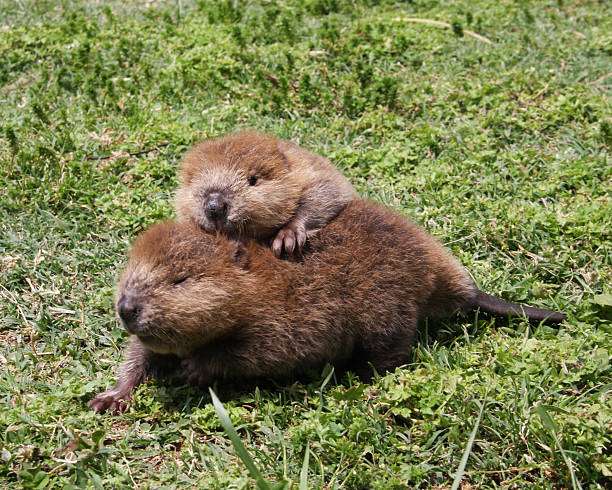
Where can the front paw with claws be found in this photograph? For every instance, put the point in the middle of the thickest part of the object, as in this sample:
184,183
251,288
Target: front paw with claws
113,400
291,237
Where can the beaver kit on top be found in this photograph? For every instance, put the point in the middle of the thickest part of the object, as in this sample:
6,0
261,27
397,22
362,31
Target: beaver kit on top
204,307
250,185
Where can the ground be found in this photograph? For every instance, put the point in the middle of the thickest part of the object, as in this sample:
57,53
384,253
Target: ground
499,147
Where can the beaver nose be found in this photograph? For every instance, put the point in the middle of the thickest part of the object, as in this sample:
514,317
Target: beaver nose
128,309
216,207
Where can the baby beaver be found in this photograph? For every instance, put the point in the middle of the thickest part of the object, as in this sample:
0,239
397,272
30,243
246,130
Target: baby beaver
205,307
250,185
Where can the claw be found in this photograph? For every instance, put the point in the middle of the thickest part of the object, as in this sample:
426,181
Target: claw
291,237
109,401
289,242
277,247
300,236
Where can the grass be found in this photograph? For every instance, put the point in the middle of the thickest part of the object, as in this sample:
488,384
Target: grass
502,151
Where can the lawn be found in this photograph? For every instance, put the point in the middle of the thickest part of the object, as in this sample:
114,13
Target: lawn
499,146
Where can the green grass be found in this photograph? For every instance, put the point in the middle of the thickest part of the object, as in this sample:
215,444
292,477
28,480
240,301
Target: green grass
502,151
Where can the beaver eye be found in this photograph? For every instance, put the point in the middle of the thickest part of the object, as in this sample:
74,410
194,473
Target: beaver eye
180,281
252,180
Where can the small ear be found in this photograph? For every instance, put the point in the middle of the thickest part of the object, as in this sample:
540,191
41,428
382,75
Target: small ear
239,254
285,160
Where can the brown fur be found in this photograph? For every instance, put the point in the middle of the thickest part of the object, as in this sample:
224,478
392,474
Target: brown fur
213,308
294,192
205,307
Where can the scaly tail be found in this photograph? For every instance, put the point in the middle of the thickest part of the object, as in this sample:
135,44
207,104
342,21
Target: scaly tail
500,307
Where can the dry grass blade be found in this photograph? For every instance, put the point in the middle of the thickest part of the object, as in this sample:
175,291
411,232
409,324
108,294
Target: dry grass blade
443,24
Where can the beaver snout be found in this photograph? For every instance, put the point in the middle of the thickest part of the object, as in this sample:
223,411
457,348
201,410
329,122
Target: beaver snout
216,207
128,309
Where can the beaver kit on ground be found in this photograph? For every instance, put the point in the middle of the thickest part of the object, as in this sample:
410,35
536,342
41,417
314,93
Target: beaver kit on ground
204,307
250,185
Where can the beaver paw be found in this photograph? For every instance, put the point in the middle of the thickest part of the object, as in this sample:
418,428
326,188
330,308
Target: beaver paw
289,237
113,400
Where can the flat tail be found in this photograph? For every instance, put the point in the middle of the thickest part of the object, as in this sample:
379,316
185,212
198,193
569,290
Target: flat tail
499,307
